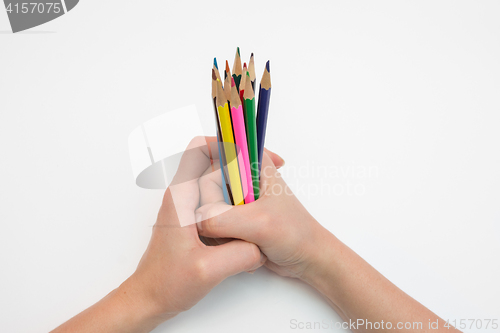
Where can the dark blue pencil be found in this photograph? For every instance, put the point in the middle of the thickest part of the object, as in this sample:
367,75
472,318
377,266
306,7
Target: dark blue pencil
263,110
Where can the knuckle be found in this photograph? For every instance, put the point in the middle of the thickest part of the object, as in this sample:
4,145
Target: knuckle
265,219
202,270
264,224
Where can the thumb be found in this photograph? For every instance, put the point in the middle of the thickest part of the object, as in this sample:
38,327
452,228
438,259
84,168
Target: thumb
219,220
232,258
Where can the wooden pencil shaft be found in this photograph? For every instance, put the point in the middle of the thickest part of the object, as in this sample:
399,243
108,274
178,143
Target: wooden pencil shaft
263,110
226,189
262,115
231,157
229,147
241,141
251,128
252,143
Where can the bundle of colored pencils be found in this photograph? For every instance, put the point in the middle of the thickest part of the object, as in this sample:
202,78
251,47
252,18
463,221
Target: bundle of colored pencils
241,131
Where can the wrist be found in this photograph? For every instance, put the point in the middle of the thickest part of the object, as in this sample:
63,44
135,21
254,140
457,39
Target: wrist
323,260
139,307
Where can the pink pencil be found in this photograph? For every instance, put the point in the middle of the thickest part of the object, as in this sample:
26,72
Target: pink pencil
240,136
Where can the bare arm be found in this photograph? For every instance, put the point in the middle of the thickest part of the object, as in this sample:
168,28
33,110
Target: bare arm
363,297
296,245
177,269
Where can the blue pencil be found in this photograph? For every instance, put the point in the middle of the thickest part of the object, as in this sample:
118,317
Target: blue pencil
263,110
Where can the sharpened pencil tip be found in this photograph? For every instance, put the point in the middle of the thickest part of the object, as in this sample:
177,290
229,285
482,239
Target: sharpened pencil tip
248,74
214,77
268,66
238,49
215,63
232,82
244,65
227,66
251,56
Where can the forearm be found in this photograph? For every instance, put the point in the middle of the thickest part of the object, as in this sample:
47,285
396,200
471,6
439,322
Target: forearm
358,291
123,310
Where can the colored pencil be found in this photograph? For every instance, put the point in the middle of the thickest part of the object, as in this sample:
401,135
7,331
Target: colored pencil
228,139
227,82
226,190
243,80
216,69
251,70
237,68
241,141
249,102
262,110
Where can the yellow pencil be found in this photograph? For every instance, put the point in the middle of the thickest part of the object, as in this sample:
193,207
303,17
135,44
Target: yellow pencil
230,150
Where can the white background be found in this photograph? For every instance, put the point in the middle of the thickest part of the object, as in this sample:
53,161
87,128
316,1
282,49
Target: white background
409,88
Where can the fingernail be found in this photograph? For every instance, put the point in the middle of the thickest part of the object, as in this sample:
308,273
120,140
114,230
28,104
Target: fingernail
251,272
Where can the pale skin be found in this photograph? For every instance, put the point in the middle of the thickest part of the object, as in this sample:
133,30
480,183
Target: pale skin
182,264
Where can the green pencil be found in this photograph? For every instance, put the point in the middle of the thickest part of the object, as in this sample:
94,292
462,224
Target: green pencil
250,124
